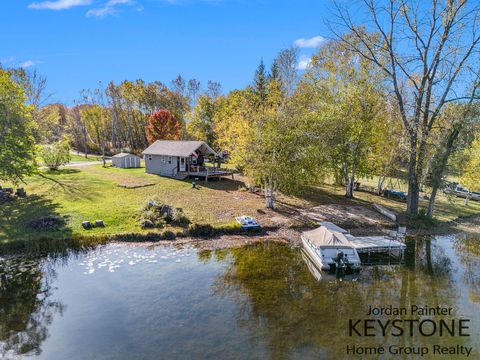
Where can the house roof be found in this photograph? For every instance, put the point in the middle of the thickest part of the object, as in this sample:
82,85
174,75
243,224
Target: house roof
121,155
178,148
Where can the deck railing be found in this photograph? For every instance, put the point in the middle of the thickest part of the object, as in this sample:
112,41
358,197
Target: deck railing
201,169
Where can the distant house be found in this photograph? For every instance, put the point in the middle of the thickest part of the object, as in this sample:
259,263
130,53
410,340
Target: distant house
179,159
124,160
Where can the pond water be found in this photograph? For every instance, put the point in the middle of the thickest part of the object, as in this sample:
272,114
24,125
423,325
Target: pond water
259,302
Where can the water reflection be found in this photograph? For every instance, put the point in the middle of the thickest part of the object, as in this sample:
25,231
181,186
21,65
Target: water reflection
26,306
468,249
123,302
282,302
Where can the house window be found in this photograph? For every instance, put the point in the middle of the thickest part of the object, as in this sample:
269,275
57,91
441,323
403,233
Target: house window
169,159
149,157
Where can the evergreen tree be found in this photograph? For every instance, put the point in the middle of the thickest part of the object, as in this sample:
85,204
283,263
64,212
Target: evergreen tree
260,86
274,71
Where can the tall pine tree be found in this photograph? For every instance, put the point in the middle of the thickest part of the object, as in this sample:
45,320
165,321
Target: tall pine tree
260,83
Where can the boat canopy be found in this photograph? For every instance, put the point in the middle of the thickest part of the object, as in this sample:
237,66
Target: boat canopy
325,237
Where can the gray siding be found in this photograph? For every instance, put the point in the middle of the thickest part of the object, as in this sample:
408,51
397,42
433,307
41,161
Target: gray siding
158,164
130,161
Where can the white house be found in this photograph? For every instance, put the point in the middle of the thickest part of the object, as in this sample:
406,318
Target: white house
124,160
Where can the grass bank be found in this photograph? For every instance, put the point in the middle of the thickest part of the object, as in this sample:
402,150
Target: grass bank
116,195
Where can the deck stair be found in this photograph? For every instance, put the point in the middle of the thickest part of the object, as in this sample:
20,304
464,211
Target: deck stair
181,175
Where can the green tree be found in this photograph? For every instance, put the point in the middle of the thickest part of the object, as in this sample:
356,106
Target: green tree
347,106
95,119
426,52
455,123
201,126
56,154
260,84
17,144
388,150
234,124
471,172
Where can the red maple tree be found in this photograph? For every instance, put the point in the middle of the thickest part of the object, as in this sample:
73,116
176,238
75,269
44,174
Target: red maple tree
163,125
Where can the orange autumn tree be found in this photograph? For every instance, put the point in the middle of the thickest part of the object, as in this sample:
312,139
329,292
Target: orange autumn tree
163,125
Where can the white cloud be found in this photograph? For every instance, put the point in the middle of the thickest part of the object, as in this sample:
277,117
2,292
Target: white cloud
109,8
313,42
304,62
7,60
28,63
59,4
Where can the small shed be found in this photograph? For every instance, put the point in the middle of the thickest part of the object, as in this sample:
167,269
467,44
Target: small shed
125,160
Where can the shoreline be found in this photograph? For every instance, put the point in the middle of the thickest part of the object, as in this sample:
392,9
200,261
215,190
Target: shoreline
218,238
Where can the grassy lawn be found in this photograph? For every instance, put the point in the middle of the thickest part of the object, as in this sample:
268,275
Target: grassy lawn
447,208
75,158
115,196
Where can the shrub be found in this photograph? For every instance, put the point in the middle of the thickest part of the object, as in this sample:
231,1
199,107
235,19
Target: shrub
179,218
169,235
156,214
46,223
55,155
152,219
201,230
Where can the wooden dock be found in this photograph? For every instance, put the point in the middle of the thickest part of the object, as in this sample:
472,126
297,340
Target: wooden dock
370,248
378,249
366,244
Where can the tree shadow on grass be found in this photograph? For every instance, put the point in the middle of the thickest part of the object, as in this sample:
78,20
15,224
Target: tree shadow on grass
71,187
225,184
328,194
299,207
31,218
64,171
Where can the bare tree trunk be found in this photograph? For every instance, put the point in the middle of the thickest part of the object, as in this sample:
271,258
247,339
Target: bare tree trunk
269,201
381,180
431,202
269,194
349,185
84,130
439,169
413,190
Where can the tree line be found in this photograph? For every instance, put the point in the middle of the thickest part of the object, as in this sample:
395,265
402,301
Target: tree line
397,99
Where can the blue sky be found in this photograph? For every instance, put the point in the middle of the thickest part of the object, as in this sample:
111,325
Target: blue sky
77,43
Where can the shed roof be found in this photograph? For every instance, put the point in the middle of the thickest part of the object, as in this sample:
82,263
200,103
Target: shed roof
122,154
178,148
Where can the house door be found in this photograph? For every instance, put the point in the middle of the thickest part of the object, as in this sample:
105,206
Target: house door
182,164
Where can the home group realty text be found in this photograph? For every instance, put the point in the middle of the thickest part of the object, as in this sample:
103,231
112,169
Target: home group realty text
435,328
